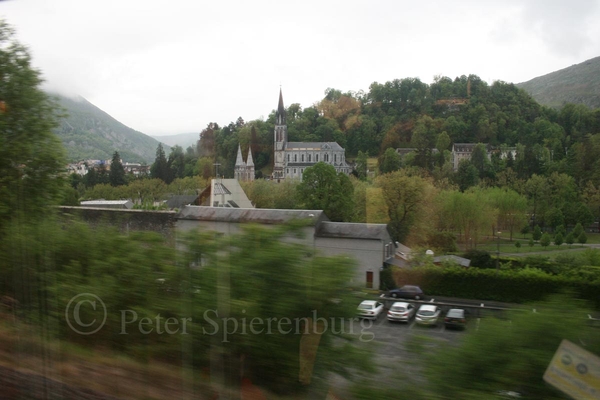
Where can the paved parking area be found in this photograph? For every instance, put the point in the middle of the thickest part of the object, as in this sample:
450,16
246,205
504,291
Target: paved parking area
399,347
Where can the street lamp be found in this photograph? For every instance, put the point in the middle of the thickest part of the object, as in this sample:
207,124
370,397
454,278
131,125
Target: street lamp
498,250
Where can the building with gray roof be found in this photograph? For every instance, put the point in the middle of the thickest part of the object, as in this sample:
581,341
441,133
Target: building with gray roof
292,158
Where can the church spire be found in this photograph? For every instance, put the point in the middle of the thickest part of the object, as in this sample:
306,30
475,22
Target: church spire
239,160
249,161
280,114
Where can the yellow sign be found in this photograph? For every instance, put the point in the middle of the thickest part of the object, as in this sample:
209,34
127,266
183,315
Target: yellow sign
575,372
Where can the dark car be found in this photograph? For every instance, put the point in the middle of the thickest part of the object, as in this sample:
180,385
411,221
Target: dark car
455,318
407,292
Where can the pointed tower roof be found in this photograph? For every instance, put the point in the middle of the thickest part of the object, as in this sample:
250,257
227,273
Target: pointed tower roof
239,160
280,114
250,161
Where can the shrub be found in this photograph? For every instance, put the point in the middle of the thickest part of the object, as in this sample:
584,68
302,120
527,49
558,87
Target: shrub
480,259
443,241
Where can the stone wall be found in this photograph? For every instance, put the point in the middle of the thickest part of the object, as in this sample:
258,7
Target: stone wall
162,222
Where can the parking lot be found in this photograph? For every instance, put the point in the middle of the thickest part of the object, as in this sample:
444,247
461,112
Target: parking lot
400,348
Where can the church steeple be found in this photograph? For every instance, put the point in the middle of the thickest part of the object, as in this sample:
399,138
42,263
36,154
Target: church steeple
239,160
280,114
279,140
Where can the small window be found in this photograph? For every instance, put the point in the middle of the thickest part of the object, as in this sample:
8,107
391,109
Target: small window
295,157
316,158
302,157
309,158
288,158
294,170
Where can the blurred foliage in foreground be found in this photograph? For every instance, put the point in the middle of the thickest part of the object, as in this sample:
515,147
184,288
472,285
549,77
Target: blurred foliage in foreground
511,354
220,283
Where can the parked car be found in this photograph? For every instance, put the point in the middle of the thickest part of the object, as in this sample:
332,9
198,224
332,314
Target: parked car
407,292
427,315
401,311
455,318
370,309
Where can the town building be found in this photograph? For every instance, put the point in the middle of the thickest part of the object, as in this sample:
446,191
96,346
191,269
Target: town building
292,158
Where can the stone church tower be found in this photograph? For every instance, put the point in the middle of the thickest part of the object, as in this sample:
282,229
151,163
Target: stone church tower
280,140
244,170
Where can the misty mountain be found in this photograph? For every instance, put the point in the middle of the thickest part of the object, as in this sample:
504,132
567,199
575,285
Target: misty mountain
182,139
87,132
579,84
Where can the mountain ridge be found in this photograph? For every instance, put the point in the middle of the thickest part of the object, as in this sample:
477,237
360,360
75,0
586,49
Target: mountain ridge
87,132
579,84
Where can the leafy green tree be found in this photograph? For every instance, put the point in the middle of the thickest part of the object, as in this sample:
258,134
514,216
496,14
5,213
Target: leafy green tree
570,239
558,239
531,243
361,165
176,163
481,162
405,197
545,240
537,233
31,155
160,168
578,230
390,161
467,175
561,229
322,188
116,175
582,238
518,245
512,209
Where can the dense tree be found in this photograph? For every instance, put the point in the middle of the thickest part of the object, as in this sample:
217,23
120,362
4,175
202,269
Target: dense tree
467,175
116,176
545,240
31,155
176,163
322,188
558,239
570,239
361,165
582,238
160,168
390,161
512,209
405,197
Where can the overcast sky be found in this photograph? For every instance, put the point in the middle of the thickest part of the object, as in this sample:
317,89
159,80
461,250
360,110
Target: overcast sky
166,67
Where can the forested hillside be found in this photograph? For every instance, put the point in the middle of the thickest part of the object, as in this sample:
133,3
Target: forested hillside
89,133
578,84
410,113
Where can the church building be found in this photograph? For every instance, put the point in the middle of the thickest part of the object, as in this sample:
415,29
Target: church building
292,158
244,170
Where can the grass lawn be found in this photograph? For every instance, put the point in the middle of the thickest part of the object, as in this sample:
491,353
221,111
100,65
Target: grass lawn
506,246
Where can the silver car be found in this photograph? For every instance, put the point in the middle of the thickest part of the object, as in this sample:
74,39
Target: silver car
427,315
401,311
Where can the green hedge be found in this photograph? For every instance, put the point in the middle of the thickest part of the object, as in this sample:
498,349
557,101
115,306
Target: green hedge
513,286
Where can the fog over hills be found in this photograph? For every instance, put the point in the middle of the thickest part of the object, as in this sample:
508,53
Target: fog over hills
87,132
